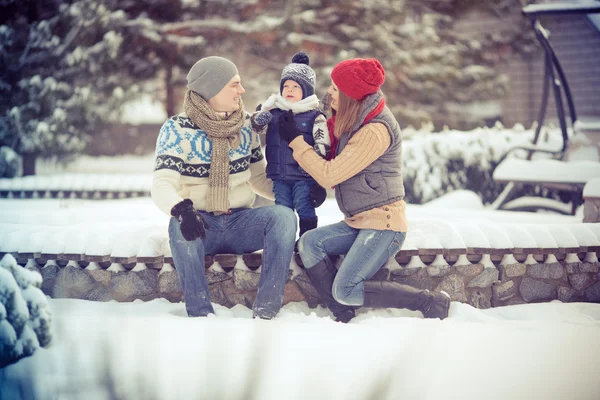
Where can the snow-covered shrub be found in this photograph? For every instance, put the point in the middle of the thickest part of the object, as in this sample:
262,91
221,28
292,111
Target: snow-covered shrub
436,163
24,313
10,163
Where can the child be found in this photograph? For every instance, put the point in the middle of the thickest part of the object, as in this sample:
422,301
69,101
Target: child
292,186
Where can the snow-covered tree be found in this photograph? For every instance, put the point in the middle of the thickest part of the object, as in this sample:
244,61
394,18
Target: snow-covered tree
155,46
68,66
24,314
431,69
60,75
11,163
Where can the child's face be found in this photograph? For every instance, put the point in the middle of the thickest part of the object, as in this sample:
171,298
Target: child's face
334,94
291,91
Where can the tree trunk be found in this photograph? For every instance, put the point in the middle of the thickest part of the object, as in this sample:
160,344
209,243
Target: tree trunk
29,164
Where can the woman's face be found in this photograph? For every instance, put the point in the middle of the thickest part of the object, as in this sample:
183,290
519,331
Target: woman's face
334,94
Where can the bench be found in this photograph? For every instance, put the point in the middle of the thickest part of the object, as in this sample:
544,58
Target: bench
583,144
568,176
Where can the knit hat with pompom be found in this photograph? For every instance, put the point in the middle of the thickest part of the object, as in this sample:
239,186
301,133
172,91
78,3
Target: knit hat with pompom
301,73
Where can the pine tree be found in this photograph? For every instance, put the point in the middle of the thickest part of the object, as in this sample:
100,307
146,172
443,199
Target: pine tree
431,70
66,68
60,76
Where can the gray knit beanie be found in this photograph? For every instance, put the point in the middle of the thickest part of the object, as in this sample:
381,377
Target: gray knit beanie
209,75
299,72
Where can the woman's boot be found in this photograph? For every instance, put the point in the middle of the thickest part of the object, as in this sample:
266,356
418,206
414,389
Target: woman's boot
386,294
322,276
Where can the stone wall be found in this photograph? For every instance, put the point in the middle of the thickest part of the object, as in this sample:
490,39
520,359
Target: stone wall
481,280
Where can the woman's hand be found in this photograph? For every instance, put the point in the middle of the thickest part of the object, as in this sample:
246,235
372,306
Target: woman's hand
287,126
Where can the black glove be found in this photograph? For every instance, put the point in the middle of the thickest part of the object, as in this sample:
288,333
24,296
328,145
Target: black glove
287,126
190,222
318,194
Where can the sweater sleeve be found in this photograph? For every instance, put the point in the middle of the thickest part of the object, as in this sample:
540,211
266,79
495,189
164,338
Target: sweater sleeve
321,136
165,180
366,146
164,189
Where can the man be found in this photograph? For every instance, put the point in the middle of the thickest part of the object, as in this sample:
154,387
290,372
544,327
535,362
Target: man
209,165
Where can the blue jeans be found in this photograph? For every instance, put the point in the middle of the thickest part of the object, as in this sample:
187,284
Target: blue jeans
295,195
366,251
271,228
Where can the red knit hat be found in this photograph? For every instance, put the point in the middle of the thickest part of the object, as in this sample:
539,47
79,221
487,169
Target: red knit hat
358,77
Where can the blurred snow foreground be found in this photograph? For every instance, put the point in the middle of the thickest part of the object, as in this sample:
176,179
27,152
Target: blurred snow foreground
24,313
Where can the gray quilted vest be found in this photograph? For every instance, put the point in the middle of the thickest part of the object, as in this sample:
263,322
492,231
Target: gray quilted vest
381,182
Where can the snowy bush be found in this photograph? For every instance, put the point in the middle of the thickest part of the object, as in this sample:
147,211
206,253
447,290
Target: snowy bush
436,163
10,163
24,314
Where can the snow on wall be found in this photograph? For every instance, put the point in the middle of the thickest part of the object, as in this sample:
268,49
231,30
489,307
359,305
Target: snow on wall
139,239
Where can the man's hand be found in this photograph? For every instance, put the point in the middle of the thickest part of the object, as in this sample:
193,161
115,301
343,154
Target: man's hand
287,126
318,194
190,222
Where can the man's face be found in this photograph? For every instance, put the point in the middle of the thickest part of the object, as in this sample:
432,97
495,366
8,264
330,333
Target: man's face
227,100
291,91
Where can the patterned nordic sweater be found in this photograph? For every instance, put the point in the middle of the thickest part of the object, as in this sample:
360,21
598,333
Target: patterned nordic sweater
183,155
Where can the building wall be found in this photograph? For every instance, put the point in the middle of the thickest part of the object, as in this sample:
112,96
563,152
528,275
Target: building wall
577,44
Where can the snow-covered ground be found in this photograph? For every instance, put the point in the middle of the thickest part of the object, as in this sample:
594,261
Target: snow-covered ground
136,227
153,351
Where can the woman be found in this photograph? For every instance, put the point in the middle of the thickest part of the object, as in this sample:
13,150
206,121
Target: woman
367,175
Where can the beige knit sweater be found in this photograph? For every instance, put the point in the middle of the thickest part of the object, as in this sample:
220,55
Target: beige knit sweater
365,146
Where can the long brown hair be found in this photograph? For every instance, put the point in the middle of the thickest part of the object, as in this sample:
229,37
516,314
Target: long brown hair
346,115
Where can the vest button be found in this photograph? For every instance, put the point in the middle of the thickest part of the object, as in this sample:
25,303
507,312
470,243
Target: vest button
388,225
387,209
389,216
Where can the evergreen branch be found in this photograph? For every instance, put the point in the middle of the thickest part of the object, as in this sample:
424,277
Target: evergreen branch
200,25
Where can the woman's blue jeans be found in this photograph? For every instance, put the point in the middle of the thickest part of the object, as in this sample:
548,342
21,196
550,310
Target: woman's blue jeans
271,228
365,250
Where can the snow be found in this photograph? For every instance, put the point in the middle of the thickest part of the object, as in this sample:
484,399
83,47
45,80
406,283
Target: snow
550,171
144,111
24,320
592,188
152,349
135,227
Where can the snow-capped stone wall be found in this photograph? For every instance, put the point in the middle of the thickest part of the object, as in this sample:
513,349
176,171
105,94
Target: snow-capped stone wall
482,279
479,262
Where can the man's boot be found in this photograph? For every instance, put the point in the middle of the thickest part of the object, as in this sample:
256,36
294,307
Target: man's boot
322,275
386,294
